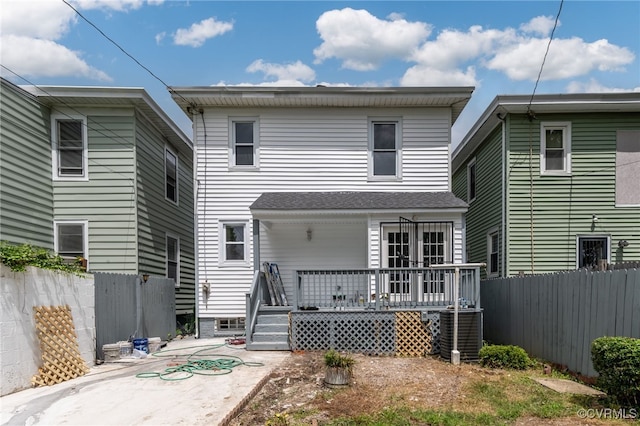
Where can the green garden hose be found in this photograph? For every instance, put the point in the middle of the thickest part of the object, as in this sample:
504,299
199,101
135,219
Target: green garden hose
197,363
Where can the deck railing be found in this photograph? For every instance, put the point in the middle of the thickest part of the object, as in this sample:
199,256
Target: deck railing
387,288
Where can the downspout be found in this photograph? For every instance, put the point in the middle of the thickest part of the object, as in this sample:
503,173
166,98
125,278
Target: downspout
196,186
503,231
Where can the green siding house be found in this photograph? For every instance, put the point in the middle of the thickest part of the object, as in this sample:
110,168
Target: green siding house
552,183
99,173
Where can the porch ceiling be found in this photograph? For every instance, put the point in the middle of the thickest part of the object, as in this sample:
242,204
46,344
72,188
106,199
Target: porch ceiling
291,203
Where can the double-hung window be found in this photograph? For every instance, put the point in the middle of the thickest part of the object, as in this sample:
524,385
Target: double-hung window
69,148
173,259
234,243
555,148
493,246
384,149
71,239
471,180
243,142
171,175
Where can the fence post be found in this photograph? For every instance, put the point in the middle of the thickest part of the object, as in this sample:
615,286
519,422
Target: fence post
376,282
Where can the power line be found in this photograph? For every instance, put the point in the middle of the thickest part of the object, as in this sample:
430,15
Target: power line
555,24
123,50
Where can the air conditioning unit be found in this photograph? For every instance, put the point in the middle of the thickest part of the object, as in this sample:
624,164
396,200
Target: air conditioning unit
469,334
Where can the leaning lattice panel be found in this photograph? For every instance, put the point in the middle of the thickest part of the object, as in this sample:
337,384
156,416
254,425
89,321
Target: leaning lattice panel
413,337
61,360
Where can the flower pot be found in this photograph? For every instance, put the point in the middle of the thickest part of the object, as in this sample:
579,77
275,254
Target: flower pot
337,376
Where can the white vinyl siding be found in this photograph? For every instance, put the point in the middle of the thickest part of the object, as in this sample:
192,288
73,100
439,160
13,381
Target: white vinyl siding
301,150
69,147
555,148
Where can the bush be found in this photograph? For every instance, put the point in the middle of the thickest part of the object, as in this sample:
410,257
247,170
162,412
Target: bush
335,359
504,356
617,361
18,257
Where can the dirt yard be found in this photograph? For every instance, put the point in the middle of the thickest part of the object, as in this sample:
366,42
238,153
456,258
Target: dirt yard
297,387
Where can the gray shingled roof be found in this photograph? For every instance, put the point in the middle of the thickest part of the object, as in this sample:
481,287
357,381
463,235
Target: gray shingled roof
283,201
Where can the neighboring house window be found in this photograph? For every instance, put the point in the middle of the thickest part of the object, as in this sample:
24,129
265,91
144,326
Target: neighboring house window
555,148
471,180
171,175
173,259
70,155
244,142
493,247
593,251
628,168
234,242
71,239
385,149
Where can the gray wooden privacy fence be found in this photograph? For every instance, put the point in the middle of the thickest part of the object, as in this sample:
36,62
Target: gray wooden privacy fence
555,317
126,306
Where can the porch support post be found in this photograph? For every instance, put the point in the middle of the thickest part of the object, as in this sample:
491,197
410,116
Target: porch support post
256,245
455,353
377,288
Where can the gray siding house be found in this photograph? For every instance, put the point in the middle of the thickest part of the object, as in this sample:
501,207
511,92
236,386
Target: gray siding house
100,173
552,183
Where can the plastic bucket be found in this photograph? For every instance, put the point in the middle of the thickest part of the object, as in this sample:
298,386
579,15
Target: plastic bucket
141,345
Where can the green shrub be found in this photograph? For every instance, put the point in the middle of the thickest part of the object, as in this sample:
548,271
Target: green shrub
504,356
335,359
617,361
18,257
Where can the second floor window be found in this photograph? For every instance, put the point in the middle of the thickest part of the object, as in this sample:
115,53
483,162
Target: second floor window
69,148
471,180
555,148
384,147
244,142
171,176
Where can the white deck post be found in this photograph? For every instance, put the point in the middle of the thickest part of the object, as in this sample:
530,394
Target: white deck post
455,354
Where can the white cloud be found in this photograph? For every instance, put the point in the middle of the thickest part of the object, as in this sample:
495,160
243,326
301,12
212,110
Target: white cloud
117,5
53,18
541,25
296,71
44,58
423,75
362,41
160,36
567,58
198,33
593,86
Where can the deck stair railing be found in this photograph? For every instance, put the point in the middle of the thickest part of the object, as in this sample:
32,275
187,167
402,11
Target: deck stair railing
387,288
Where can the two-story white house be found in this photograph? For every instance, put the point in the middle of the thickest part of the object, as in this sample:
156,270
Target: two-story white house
319,179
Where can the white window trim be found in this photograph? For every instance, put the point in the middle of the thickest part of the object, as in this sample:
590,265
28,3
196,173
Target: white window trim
166,257
565,126
222,261
577,247
85,234
256,142
167,148
54,147
493,231
398,122
472,163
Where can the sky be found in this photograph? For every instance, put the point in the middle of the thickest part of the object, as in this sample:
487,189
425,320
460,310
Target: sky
498,47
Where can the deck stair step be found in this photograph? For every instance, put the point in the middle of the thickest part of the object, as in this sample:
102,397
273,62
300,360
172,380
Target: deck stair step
271,330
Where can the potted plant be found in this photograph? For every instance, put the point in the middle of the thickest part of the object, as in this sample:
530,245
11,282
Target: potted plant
339,368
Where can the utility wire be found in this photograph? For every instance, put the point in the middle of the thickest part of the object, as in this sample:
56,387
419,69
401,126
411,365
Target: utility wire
544,58
124,51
